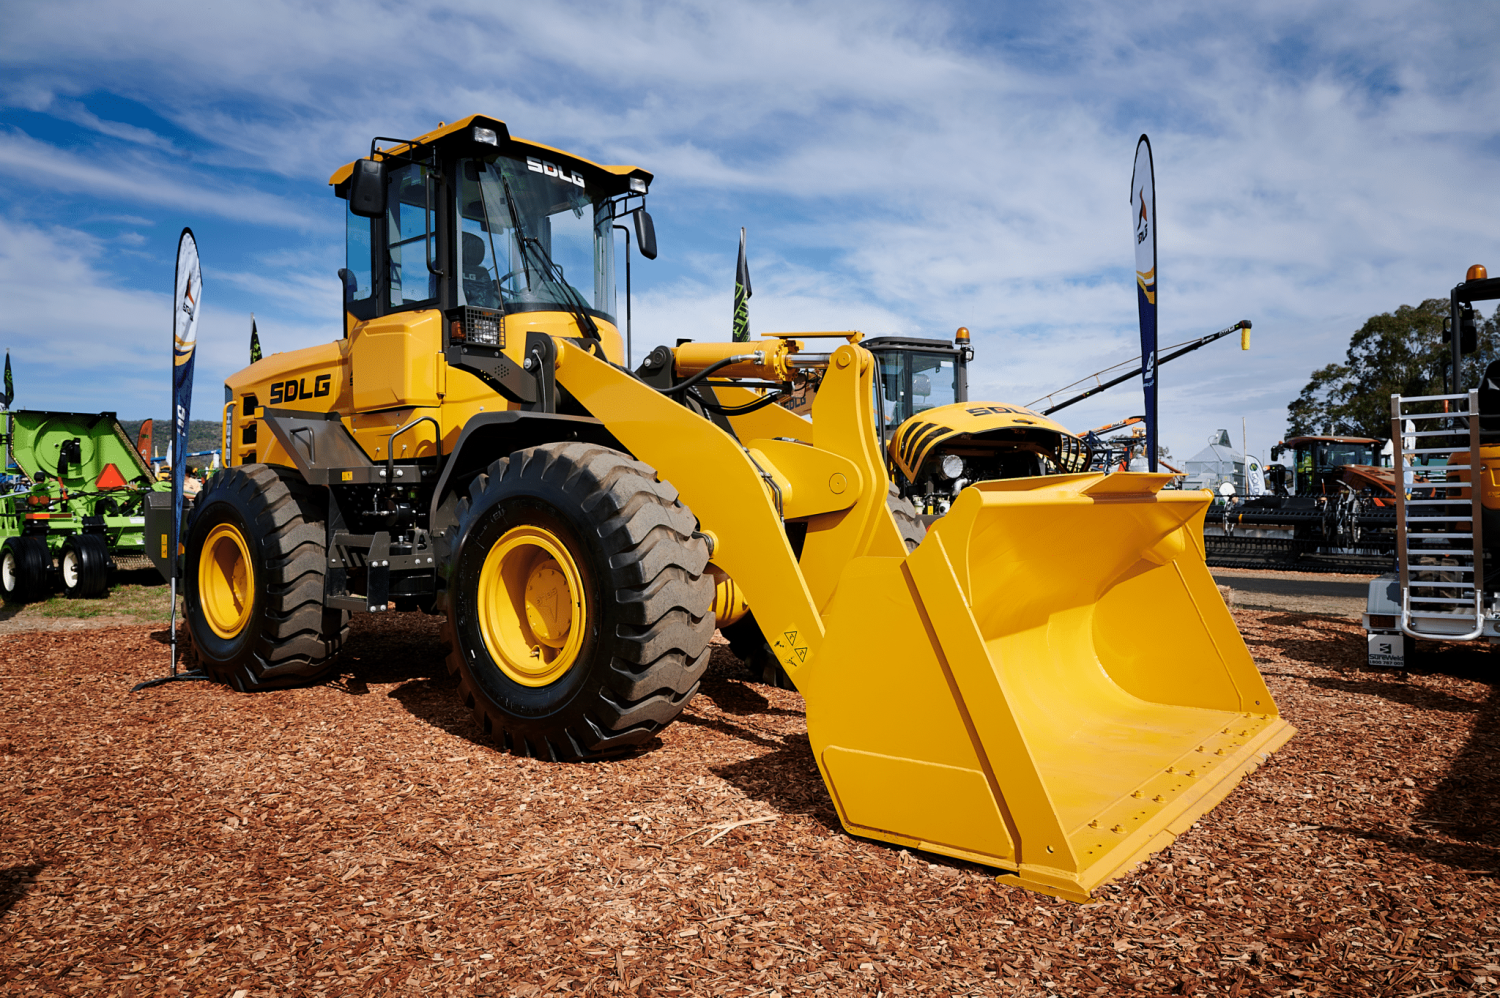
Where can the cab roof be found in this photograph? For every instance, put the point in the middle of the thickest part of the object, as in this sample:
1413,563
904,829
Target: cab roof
343,173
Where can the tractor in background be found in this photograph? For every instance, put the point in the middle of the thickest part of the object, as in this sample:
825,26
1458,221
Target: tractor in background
1333,510
78,509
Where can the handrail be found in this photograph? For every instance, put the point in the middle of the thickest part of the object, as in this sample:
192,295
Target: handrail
390,449
226,434
1404,539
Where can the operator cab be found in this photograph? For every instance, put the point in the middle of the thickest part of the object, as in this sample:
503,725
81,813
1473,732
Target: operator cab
916,374
474,222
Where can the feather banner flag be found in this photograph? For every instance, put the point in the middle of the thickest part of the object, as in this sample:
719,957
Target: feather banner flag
187,301
254,340
6,398
143,441
742,295
1143,208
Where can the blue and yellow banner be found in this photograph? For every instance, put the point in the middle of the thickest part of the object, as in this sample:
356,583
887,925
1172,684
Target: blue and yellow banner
1143,208
186,301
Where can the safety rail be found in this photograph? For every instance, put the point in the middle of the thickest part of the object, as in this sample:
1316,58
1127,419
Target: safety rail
1446,559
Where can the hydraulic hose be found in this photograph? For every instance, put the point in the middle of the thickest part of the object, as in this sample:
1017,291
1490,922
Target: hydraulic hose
741,358
740,410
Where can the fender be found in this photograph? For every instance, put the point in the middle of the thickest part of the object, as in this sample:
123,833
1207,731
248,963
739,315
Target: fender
492,435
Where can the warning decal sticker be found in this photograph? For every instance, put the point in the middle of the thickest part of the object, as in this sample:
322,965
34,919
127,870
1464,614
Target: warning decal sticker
791,652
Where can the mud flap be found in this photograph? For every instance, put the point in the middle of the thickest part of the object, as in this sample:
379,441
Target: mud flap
1054,685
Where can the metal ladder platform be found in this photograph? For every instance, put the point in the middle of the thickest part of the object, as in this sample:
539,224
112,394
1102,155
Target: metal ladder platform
1439,542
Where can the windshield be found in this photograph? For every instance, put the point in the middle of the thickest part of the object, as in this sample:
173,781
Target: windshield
1337,455
911,382
532,237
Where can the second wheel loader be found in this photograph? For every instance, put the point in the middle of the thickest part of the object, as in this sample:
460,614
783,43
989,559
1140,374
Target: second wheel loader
473,447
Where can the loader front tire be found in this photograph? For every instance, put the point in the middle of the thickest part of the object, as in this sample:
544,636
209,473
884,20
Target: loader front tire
254,580
579,605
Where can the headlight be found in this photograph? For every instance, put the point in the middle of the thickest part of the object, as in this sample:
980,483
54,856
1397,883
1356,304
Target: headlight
951,466
486,136
637,185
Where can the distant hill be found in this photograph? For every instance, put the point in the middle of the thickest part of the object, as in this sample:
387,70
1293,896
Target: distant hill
203,434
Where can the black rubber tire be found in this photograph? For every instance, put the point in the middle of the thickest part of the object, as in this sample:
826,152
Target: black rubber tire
25,570
642,565
905,515
291,637
749,645
83,564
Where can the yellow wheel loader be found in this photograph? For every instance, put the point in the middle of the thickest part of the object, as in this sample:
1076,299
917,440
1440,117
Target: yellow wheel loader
1047,683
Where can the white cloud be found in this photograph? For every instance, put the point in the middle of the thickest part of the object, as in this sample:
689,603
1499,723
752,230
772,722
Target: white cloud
940,165
139,180
81,342
77,113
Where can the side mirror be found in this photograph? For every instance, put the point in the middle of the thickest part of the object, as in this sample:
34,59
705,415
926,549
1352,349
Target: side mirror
367,188
645,234
1468,330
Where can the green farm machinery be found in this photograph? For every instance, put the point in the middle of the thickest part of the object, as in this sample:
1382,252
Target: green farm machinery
76,508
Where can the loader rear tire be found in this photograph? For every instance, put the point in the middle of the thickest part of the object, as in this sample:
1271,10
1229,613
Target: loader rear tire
579,604
256,556
84,564
25,570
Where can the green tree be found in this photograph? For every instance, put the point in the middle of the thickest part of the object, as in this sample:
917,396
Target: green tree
1404,352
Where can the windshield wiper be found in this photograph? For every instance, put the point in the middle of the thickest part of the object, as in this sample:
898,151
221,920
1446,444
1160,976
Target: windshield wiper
578,306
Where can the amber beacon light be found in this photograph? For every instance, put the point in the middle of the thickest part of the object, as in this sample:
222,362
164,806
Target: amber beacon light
1476,273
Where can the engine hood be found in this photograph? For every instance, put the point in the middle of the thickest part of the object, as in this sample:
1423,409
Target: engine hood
916,439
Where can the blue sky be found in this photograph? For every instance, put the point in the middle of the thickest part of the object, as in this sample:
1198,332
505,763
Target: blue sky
901,167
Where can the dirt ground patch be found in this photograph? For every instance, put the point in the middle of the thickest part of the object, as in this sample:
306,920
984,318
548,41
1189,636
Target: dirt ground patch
138,597
359,837
1324,593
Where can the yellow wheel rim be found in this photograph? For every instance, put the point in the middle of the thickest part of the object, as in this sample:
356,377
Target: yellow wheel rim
532,606
226,581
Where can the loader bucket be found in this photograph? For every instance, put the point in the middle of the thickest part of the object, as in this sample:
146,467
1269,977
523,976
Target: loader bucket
1050,683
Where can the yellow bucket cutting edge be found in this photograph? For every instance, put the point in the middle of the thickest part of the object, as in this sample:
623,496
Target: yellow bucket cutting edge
1050,683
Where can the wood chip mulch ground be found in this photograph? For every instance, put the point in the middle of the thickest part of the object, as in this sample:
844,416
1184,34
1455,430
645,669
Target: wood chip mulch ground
360,838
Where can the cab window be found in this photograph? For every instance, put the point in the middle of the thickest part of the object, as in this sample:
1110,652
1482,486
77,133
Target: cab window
914,382
359,287
411,237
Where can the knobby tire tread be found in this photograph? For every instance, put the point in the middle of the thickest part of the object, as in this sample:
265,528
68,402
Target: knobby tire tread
299,639
653,576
